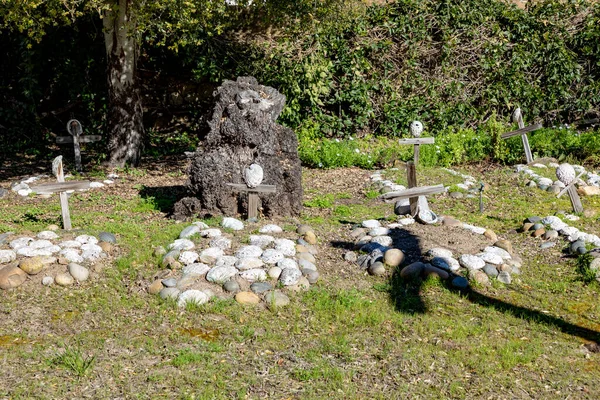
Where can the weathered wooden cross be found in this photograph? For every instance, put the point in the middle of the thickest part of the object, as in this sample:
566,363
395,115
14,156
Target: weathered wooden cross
571,190
523,130
61,187
75,129
413,192
415,129
252,195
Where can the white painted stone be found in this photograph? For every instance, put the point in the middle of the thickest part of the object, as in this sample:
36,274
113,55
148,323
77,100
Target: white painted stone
491,258
416,128
221,274
565,173
271,228
274,272
232,223
244,264
253,175
20,242
386,241
371,223
47,280
475,229
71,255
249,251
192,296
189,232
499,251
379,231
7,256
254,275
79,272
221,242
70,244
406,221
226,261
286,246
181,244
211,255
188,257
200,224
272,256
470,261
40,244
287,263
196,269
261,241
290,276
439,252
83,239
47,235
210,232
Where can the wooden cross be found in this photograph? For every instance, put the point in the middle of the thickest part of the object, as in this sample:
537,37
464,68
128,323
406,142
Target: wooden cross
417,142
74,128
61,187
523,130
252,195
573,195
413,192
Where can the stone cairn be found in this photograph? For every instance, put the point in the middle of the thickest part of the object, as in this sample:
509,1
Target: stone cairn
23,258
205,263
374,249
243,132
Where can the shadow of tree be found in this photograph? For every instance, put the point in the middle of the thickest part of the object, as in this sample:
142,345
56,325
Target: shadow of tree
164,197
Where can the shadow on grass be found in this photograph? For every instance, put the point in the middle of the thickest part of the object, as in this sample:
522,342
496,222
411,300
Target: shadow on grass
163,197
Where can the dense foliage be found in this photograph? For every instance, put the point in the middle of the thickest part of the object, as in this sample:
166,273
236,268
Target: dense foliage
348,71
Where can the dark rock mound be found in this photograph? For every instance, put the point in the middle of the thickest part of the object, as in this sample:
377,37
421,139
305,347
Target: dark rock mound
243,131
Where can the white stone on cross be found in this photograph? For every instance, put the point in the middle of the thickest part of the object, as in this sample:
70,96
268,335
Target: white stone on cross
75,130
416,128
566,174
417,196
253,176
61,187
523,130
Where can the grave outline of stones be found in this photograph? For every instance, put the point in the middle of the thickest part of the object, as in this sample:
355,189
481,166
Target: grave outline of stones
417,142
573,195
61,188
75,130
523,131
252,195
413,192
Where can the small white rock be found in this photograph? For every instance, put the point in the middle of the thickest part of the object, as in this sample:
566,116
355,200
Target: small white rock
79,272
371,223
192,296
232,223
188,257
271,228
47,235
470,261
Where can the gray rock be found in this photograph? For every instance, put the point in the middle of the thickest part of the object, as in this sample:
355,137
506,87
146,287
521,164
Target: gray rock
311,276
276,299
412,271
3,192
439,252
286,246
371,223
550,234
536,226
479,276
457,195
196,269
107,237
490,270
211,255
169,282
504,277
244,264
302,229
231,286
249,252
306,256
7,256
385,241
364,261
358,232
533,219
547,245
169,293
305,264
226,261
188,257
287,263
182,244
261,287
377,269
261,241
210,232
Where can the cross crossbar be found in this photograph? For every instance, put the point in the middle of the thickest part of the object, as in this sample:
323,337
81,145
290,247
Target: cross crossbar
426,140
412,192
258,189
521,131
47,188
82,139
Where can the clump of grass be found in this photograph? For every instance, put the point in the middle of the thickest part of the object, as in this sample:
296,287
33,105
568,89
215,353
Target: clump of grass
583,267
74,360
322,201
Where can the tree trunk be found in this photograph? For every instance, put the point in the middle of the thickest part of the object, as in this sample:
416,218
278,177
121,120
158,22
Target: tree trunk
125,125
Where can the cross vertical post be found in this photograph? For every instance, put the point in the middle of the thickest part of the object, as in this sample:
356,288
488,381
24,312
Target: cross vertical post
523,130
57,169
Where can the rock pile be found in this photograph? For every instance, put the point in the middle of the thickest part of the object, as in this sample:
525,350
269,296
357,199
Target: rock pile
204,263
588,184
22,257
551,227
376,250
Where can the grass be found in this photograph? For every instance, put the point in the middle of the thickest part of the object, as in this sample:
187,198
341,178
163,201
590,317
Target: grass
345,338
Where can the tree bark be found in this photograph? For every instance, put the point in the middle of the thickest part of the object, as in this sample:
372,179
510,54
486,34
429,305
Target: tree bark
125,114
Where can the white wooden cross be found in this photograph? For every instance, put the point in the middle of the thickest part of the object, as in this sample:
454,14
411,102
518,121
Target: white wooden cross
415,129
61,187
566,174
75,129
523,130
413,192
